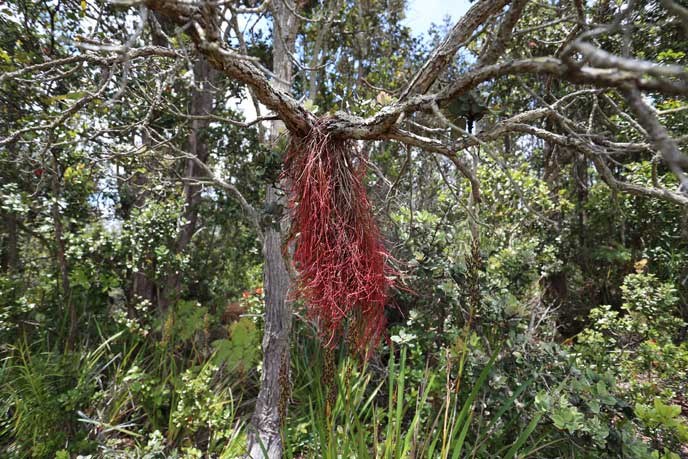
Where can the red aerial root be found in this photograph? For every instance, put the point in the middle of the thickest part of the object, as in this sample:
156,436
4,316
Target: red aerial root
343,274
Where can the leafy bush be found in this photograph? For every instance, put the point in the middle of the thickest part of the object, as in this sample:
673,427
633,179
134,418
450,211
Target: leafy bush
636,344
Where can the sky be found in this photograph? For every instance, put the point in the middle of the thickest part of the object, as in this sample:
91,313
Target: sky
421,13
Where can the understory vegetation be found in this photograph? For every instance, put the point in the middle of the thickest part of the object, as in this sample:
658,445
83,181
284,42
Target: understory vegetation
530,294
497,381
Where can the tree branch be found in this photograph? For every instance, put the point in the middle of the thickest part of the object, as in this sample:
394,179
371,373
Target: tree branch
203,32
667,146
445,52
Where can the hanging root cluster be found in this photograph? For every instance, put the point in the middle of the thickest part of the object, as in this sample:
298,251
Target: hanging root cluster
342,263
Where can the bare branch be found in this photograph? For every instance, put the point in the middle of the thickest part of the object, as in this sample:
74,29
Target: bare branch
144,51
233,190
64,116
632,188
495,48
591,152
436,146
604,59
667,146
499,162
250,211
556,67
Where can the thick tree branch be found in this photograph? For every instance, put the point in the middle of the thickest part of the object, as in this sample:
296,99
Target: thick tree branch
203,32
299,120
556,67
443,54
678,10
604,59
377,125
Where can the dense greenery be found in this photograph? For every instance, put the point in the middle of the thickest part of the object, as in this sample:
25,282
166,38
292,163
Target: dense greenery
548,321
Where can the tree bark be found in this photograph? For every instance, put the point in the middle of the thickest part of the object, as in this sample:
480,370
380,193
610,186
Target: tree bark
264,440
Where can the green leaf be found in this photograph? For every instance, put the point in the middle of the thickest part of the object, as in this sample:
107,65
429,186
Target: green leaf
241,350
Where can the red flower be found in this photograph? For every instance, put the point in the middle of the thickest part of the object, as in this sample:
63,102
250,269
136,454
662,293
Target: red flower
38,172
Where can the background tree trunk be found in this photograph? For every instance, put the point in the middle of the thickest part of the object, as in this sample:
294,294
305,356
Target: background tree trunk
202,101
142,286
61,258
264,440
9,244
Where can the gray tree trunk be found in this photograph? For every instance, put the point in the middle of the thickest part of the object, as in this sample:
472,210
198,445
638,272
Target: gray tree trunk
264,440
